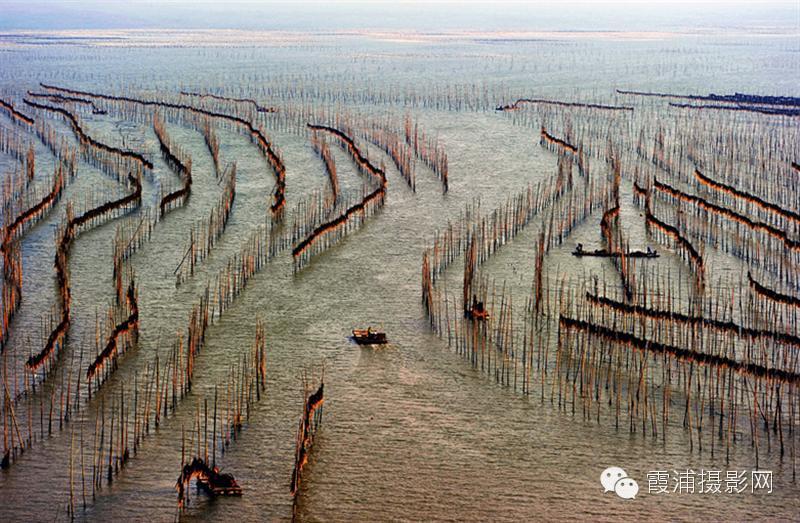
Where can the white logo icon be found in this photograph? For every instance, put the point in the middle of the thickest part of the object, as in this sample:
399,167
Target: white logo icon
614,479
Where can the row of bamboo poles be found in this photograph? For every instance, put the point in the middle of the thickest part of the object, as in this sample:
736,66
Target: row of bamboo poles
330,231
121,333
310,419
109,158
179,161
402,139
230,281
212,142
115,160
73,102
167,381
10,248
729,363
15,115
250,101
560,103
205,234
428,149
320,146
314,88
487,338
16,182
245,385
128,105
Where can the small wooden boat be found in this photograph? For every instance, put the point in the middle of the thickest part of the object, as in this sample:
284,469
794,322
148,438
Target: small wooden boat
477,311
369,337
227,486
211,480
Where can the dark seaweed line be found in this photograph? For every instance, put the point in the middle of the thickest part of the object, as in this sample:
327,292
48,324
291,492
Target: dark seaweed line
65,243
747,196
259,108
546,137
68,235
726,326
85,138
515,105
176,165
339,220
773,295
377,194
696,258
701,358
360,158
733,215
15,115
48,199
255,133
130,323
304,439
62,275
732,98
743,108
11,269
59,98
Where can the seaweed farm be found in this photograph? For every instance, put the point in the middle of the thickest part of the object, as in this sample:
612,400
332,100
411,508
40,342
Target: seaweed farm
583,250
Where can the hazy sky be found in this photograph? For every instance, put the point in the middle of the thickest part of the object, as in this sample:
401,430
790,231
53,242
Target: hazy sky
397,15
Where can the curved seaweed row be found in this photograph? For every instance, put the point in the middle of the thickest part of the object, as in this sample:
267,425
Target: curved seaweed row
679,317
259,108
549,139
74,223
305,433
178,161
751,198
62,99
14,114
686,246
86,139
516,105
367,204
362,162
255,133
771,294
701,358
62,271
728,213
12,269
130,324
